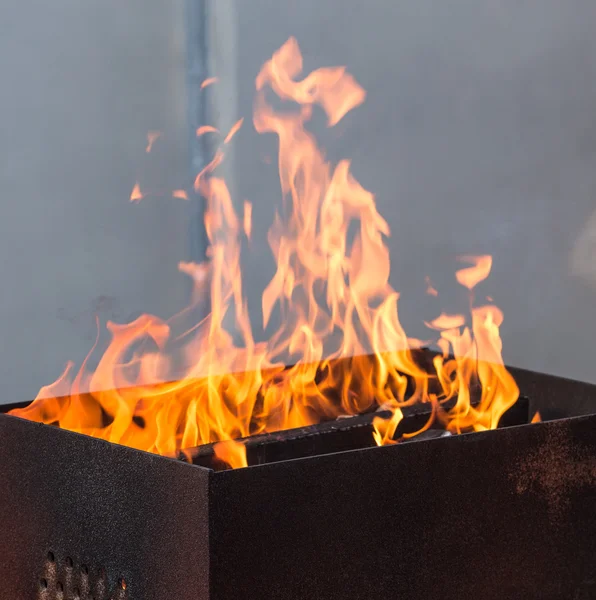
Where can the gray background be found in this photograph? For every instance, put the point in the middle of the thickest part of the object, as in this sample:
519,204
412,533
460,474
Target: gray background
478,135
82,84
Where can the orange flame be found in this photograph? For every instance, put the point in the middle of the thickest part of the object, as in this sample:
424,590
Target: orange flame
247,218
444,321
235,128
209,81
203,129
384,429
430,290
164,386
180,194
479,271
136,194
232,453
334,89
151,137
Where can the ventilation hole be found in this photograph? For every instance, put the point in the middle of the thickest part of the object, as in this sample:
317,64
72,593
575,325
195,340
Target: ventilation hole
84,569
122,583
43,584
69,562
59,587
51,557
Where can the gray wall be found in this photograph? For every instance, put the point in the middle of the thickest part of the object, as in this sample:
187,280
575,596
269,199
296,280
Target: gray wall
82,83
478,135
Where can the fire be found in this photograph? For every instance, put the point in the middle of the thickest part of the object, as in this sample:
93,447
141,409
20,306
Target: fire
339,328
203,129
209,81
247,219
231,453
152,136
479,271
235,128
136,195
181,194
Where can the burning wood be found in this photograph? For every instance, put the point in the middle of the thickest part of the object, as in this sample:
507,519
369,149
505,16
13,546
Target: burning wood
351,433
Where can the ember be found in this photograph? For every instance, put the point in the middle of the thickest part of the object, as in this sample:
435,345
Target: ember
339,331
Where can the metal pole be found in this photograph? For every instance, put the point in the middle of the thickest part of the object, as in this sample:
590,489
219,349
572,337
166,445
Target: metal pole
197,71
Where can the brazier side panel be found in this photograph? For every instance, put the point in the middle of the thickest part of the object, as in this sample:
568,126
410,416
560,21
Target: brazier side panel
111,517
500,514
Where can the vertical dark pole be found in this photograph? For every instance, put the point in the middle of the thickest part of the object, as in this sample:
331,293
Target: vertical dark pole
197,71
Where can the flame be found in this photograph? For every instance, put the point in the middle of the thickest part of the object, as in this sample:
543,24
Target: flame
151,137
479,271
333,88
536,418
232,453
330,312
247,219
384,429
209,81
444,321
203,129
430,289
235,128
181,194
136,195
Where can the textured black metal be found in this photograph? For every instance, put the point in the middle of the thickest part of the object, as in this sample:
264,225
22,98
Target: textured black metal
61,578
137,516
499,514
555,397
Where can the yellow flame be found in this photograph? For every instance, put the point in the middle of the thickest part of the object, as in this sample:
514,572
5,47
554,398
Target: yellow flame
337,323
232,453
136,194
